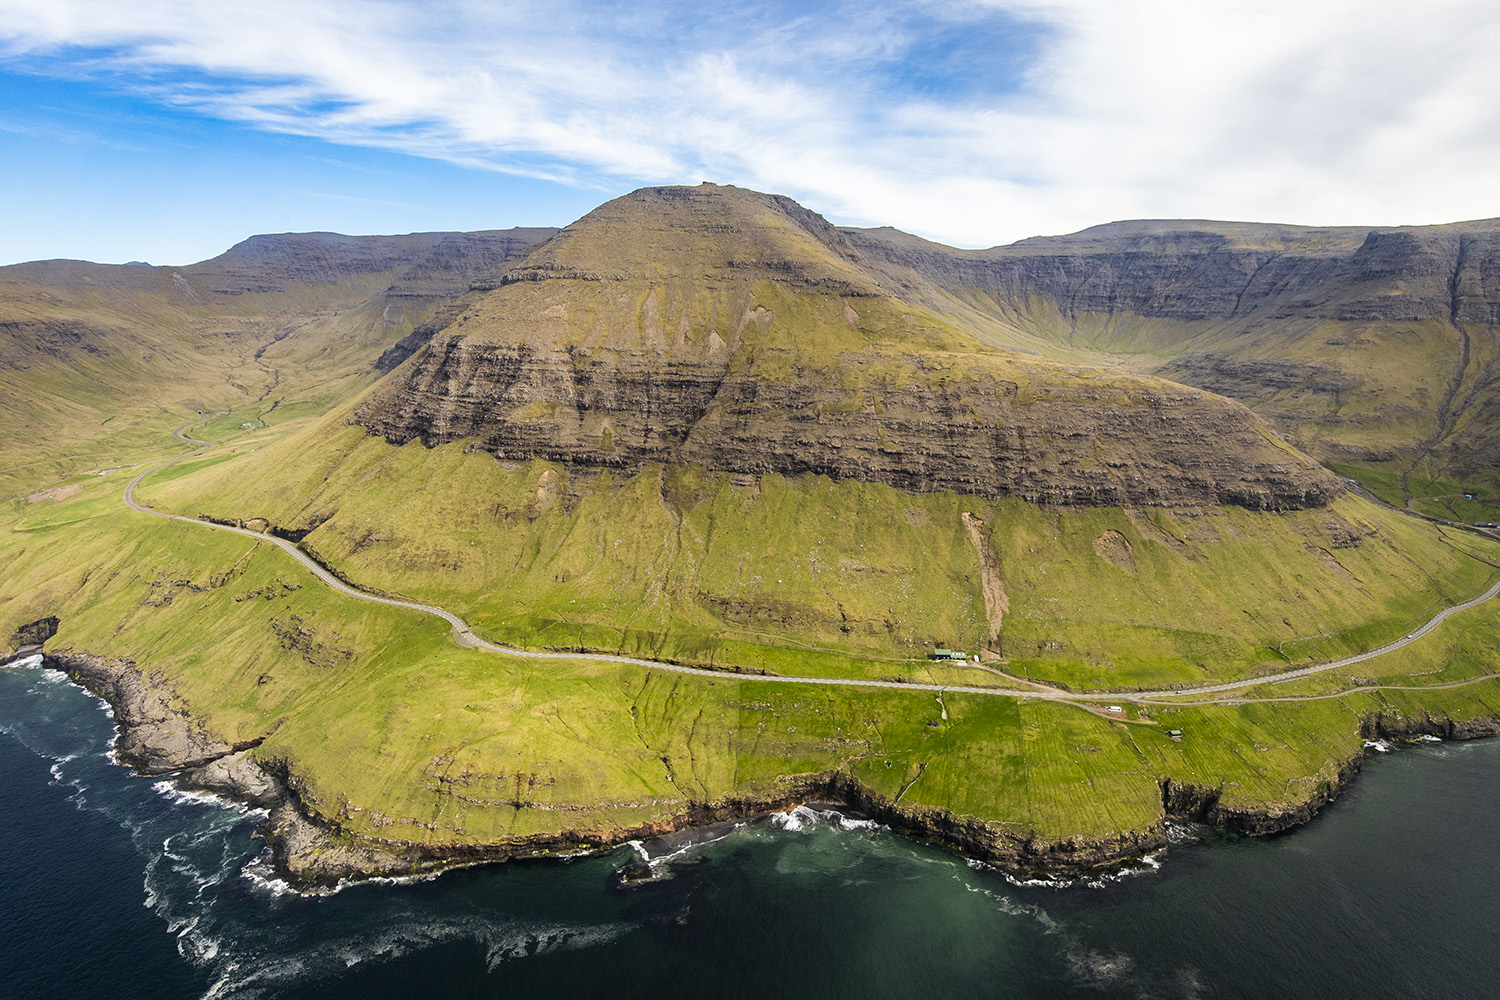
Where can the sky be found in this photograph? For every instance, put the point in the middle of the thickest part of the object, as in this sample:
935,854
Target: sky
168,130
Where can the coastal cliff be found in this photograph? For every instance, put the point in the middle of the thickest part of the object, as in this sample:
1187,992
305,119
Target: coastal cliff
157,736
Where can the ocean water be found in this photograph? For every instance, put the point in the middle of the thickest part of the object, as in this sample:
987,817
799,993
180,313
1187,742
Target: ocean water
117,886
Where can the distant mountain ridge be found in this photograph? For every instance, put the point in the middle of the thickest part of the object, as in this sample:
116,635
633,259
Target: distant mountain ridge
431,264
85,345
1198,270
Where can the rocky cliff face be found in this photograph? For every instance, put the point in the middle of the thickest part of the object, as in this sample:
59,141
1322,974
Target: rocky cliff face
1194,270
737,331
1366,346
1066,441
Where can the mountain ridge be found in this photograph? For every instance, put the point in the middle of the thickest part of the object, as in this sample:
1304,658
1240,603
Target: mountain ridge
566,504
734,330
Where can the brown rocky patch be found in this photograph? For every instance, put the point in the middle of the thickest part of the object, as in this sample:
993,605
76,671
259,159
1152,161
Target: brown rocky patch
992,584
56,493
1115,548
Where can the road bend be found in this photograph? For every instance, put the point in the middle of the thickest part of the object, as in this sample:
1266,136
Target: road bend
465,637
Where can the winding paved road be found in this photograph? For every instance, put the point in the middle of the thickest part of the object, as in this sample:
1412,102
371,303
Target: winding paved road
464,636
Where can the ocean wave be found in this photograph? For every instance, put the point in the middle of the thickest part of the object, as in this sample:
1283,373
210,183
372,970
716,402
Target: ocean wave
170,791
1180,833
805,817
242,976
1147,864
58,763
260,873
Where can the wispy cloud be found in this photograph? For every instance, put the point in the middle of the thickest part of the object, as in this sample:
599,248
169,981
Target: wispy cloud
974,121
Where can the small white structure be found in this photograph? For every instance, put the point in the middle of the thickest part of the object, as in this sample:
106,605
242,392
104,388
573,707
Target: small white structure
1115,710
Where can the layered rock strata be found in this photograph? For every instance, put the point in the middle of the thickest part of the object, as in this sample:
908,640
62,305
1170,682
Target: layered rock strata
1198,270
739,332
1061,441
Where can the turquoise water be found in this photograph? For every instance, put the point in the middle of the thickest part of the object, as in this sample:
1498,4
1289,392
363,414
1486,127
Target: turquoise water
116,886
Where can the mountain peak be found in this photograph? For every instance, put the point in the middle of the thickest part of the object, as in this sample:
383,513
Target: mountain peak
711,231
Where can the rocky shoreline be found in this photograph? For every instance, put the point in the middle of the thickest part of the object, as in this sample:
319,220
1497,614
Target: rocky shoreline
157,737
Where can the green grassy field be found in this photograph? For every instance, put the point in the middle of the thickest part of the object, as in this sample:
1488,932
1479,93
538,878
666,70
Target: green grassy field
840,578
398,733
395,732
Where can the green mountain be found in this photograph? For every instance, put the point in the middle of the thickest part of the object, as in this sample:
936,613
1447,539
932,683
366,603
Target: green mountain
703,427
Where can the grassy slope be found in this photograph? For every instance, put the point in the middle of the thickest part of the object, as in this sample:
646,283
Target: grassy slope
1368,404
811,575
148,358
398,733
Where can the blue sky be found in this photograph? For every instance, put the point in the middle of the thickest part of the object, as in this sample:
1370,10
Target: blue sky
109,176
166,130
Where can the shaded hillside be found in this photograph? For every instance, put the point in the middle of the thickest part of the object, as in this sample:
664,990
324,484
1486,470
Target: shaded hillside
86,349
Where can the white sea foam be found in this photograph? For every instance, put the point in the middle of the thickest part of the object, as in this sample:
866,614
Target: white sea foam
1147,864
406,879
665,859
1097,969
1089,967
27,661
1379,746
847,824
1180,833
795,820
1426,738
551,941
168,790
805,818
267,973
261,874
59,763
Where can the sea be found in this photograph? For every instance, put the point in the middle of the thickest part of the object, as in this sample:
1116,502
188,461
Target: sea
117,886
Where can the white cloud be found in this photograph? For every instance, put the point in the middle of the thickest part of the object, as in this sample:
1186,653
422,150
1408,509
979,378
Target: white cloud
1319,111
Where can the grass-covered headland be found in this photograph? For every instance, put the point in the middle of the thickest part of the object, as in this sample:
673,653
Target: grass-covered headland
390,734
703,428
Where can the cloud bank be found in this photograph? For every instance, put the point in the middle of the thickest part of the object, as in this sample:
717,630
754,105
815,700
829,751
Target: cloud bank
970,121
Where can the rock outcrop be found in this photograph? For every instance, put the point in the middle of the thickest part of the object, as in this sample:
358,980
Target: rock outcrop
33,635
156,734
